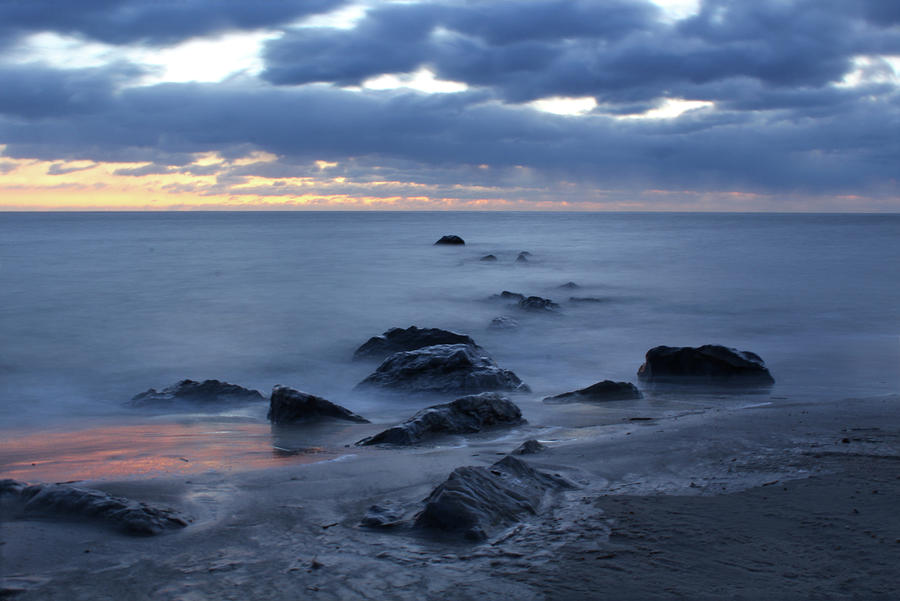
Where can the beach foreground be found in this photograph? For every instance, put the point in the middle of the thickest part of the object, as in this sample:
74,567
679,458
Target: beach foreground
773,501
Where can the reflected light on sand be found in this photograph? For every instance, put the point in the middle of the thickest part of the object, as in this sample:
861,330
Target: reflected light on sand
118,452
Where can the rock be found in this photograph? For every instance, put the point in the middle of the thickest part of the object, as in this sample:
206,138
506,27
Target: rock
569,286
587,299
607,390
529,447
710,363
410,339
189,391
536,303
503,323
451,239
510,296
383,515
474,501
64,501
523,257
465,415
451,368
290,406
488,258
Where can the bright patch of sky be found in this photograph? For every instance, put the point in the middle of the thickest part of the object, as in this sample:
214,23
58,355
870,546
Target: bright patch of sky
670,109
873,69
422,80
565,106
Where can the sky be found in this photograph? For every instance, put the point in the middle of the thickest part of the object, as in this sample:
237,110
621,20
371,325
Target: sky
623,105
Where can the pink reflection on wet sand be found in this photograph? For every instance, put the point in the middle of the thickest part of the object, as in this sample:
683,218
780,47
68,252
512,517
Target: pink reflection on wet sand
123,451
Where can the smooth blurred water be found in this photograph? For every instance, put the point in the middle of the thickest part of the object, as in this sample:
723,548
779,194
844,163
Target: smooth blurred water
95,307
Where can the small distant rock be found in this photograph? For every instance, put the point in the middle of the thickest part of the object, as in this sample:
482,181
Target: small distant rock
451,368
488,258
410,339
465,415
530,447
711,363
536,303
189,391
569,286
607,390
523,257
63,501
476,501
451,239
510,296
503,323
587,299
289,406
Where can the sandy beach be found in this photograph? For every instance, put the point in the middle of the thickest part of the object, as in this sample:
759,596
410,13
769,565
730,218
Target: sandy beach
776,500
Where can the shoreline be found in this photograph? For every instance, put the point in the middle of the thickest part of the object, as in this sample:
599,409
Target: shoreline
702,486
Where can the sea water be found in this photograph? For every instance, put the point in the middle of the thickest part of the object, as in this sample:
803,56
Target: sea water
96,307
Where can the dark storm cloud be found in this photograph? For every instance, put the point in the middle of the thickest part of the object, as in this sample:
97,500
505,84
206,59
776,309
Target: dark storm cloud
618,52
153,22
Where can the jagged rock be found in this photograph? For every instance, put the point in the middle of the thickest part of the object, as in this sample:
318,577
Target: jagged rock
189,391
410,339
384,515
63,501
523,257
488,258
465,415
536,303
529,447
451,239
607,390
451,368
474,501
507,295
711,363
569,286
503,323
290,406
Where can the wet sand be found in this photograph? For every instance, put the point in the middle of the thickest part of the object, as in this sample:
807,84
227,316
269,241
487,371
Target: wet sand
776,501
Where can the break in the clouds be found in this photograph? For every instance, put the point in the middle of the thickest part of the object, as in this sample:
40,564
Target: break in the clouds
777,98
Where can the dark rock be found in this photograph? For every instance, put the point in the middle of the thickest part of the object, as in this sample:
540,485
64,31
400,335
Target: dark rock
529,447
710,363
503,323
449,368
384,515
607,390
569,286
410,339
63,501
536,303
587,299
488,258
289,406
474,501
189,391
509,296
465,415
523,257
451,239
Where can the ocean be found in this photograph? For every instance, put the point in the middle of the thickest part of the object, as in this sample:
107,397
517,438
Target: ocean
96,307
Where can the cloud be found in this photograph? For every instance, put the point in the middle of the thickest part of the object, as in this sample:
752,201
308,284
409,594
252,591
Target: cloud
155,22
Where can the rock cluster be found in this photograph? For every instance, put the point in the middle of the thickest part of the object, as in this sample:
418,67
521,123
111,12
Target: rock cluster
189,391
410,339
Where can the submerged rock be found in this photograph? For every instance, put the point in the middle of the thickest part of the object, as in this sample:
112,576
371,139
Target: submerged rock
569,286
410,339
529,447
607,390
711,363
449,368
523,257
63,501
290,406
474,501
509,296
488,258
536,303
451,239
384,515
465,415
587,299
503,323
189,391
